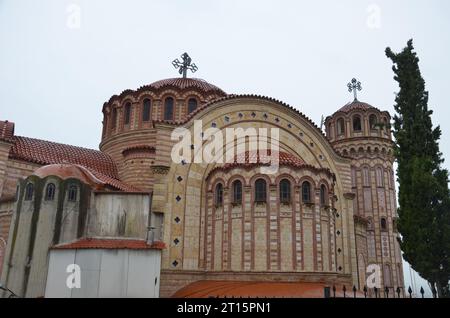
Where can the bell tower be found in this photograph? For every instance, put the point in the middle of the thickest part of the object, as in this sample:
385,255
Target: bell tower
362,132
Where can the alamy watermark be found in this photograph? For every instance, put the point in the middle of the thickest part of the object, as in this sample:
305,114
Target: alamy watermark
211,146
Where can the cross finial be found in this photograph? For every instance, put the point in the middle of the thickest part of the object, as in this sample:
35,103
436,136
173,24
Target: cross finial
185,65
354,86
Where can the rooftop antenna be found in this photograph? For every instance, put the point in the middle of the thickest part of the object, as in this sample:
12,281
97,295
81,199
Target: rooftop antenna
322,122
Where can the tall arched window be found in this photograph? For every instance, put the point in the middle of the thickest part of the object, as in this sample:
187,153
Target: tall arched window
219,195
237,192
126,120
357,123
387,275
168,108
147,106
340,126
260,190
380,178
323,195
114,118
306,192
73,193
285,191
50,192
383,224
29,191
366,177
192,105
17,193
373,121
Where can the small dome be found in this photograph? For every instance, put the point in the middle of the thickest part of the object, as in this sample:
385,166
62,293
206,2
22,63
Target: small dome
188,83
355,105
66,171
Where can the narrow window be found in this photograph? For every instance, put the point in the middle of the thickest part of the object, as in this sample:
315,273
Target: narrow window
114,118
357,123
192,105
323,195
341,126
373,121
17,193
306,192
237,192
146,110
366,177
383,224
380,182
168,109
260,191
285,191
50,192
29,191
72,195
127,114
219,195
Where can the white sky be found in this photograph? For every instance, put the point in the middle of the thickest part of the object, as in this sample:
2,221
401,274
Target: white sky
54,79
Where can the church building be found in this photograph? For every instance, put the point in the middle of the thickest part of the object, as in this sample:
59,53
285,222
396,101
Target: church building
138,224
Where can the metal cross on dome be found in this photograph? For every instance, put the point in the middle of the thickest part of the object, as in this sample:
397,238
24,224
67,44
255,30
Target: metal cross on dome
185,65
354,86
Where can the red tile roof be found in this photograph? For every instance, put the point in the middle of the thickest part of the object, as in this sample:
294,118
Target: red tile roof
236,289
95,179
188,83
264,157
47,152
6,130
251,159
108,244
178,83
355,105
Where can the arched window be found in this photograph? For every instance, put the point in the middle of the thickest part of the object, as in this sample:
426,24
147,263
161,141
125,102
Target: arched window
366,177
73,192
387,275
373,121
385,124
380,178
340,126
369,224
146,109
330,131
357,123
126,120
192,105
114,118
50,192
29,191
323,195
16,197
260,190
306,192
219,195
383,224
237,192
285,191
168,108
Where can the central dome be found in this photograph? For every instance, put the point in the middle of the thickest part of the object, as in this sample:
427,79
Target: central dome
188,84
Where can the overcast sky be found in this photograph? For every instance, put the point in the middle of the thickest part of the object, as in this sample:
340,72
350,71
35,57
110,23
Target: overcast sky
55,74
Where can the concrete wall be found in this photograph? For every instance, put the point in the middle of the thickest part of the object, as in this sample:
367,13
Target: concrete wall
105,273
116,214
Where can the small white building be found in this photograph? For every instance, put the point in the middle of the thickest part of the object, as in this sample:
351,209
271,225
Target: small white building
105,268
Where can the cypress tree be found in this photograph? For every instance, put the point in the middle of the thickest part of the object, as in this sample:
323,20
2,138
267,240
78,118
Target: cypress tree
424,197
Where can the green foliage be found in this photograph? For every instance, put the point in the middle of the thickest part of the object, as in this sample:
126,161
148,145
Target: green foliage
424,198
